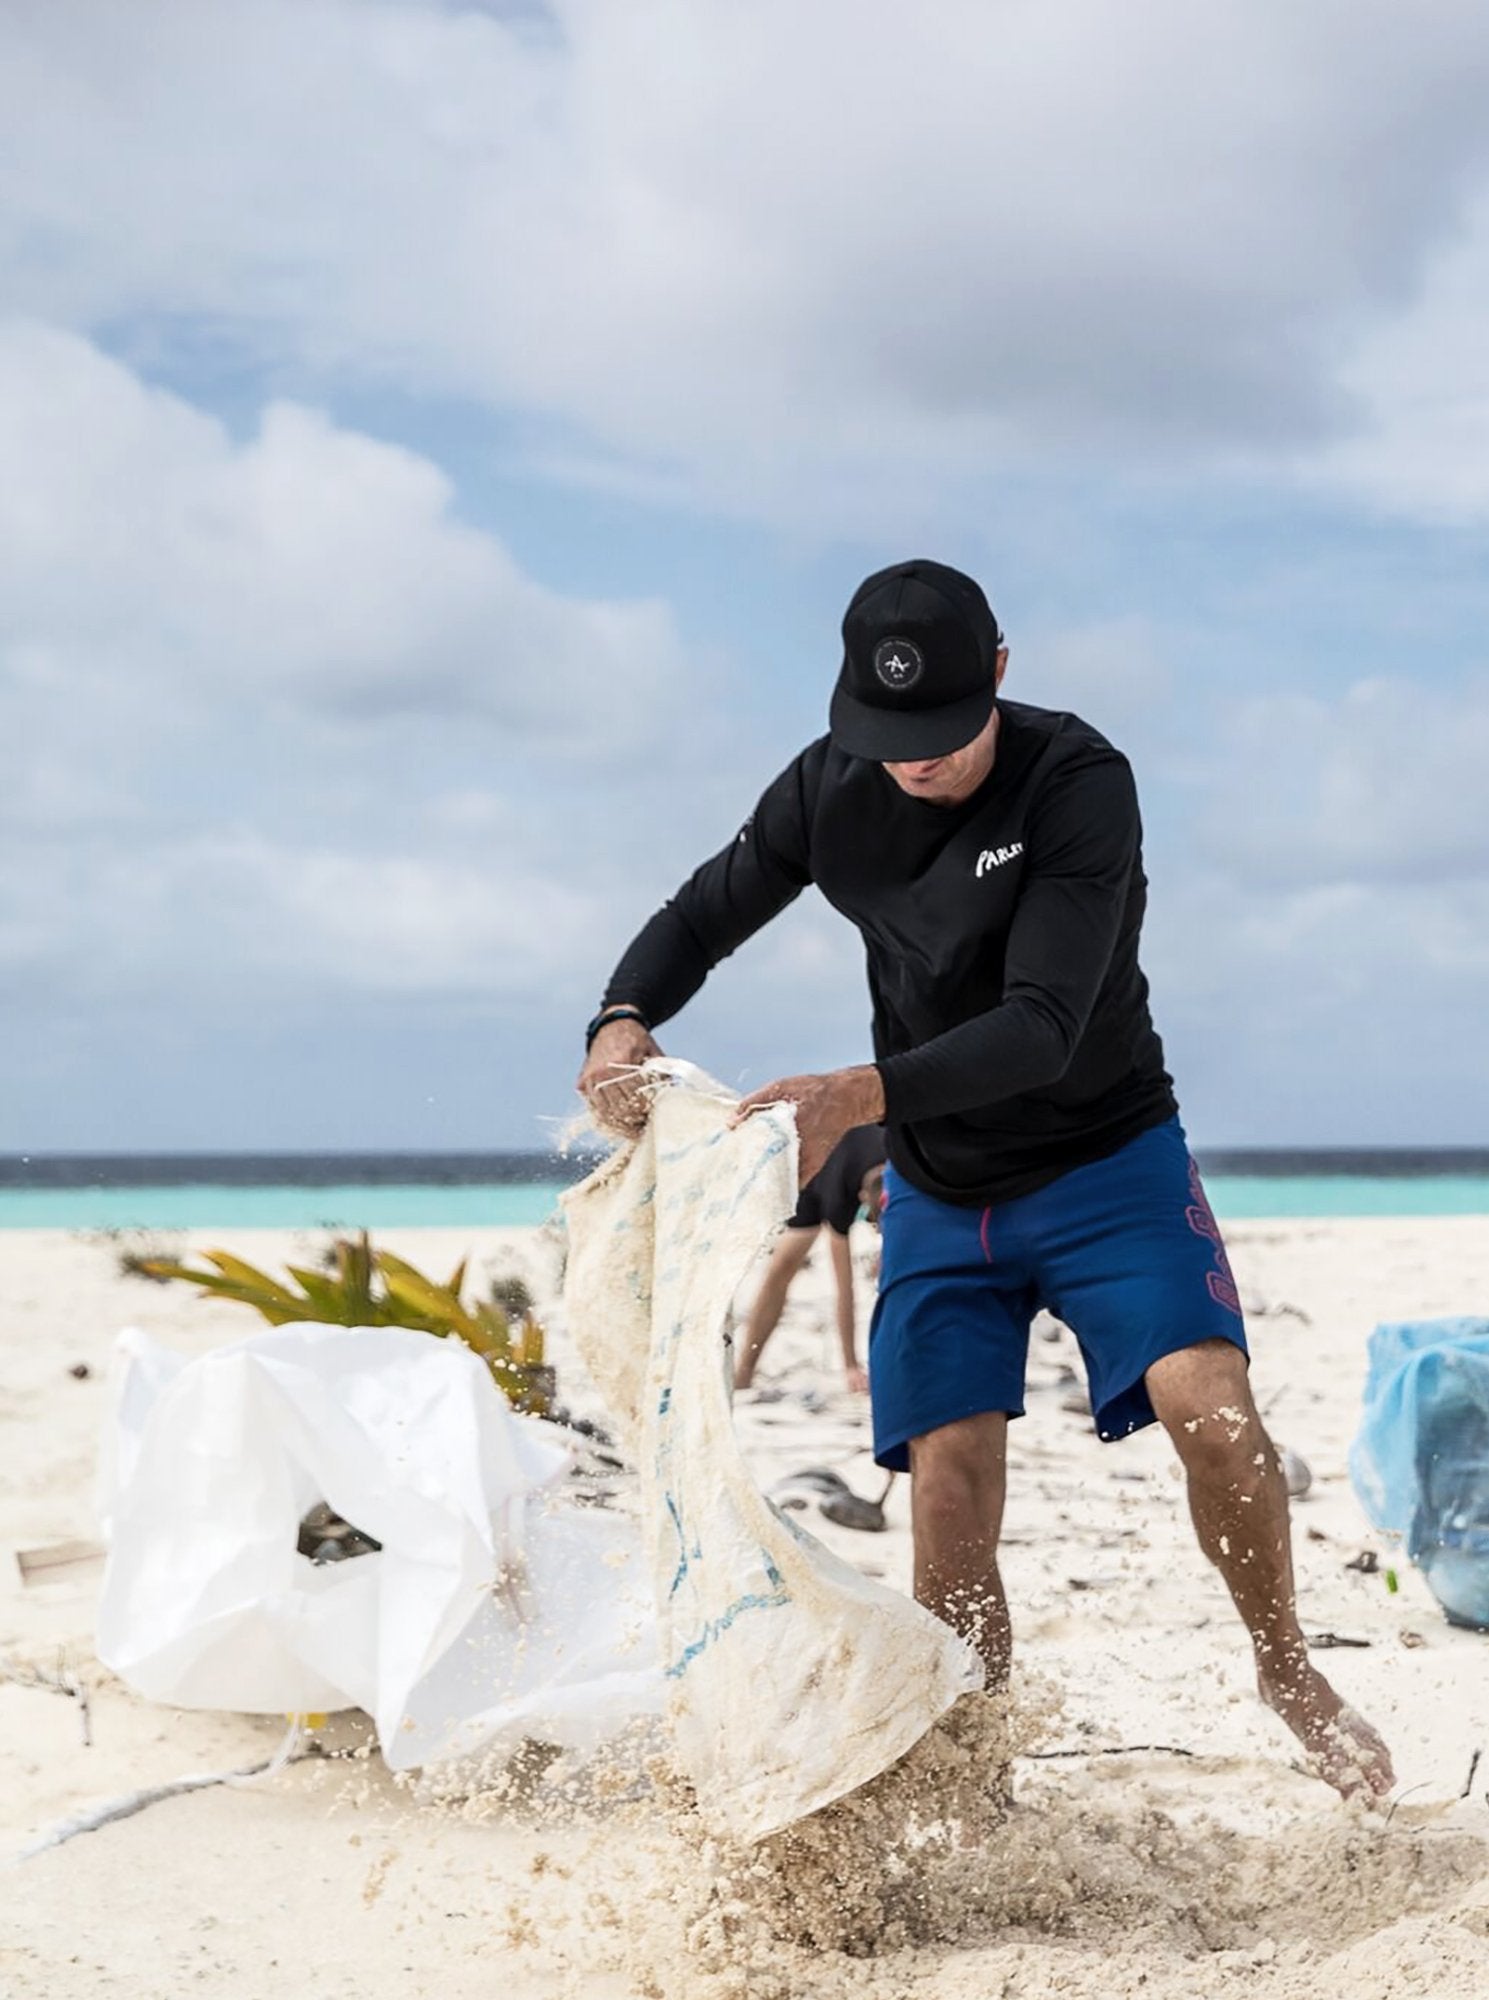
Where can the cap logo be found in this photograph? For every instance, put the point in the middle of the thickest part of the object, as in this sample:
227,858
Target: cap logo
898,663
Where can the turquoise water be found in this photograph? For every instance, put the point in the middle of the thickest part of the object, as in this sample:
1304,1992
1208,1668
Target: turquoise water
1239,1197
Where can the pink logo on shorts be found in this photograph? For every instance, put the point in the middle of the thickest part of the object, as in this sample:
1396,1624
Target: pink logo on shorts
1223,1291
1203,1223
1201,1219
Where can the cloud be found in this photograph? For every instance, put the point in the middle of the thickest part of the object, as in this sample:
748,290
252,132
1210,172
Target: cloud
1421,382
1318,922
308,565
1347,1014
1114,672
1382,786
766,250
280,725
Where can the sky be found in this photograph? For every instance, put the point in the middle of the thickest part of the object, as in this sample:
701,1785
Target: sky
438,443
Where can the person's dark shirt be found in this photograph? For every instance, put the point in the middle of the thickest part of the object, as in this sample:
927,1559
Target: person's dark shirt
832,1194
1010,1024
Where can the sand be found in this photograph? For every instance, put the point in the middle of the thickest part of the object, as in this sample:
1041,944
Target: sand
1224,1871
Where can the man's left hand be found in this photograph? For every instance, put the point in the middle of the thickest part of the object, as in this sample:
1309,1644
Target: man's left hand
826,1107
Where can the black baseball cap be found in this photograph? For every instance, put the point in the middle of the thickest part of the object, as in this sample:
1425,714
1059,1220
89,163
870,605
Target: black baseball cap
920,655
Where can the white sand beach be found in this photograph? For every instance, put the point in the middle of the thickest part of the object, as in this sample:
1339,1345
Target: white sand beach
1224,1871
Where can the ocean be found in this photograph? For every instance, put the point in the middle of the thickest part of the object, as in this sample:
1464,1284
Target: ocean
481,1190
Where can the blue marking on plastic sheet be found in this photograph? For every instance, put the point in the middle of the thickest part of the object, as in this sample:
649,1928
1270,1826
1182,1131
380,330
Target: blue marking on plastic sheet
755,1600
687,1556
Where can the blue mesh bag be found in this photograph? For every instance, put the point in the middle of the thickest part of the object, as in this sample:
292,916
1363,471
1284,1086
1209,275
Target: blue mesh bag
1420,1462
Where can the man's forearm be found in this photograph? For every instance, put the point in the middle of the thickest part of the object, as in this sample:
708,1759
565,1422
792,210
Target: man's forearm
865,1088
1011,1048
661,969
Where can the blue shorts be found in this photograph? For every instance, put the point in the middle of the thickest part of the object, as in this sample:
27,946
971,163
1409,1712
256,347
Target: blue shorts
1125,1251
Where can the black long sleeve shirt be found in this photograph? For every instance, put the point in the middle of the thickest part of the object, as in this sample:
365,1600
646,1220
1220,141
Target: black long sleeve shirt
1011,1023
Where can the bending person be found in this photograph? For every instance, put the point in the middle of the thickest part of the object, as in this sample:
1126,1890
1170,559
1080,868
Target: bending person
990,855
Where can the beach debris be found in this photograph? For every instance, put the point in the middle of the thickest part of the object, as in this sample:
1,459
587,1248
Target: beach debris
1473,1768
819,1486
325,1537
1116,1750
1411,1640
597,1472
1280,1309
1296,1471
80,1371
822,1478
851,1510
1420,1459
364,1287
495,1601
1393,1582
59,1562
1323,1642
1367,1562
141,1262
64,1681
834,1498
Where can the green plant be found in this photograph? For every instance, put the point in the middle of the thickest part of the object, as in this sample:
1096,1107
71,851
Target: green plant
140,1264
367,1287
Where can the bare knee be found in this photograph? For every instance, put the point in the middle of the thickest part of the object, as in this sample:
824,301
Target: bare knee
1231,1464
1202,1397
958,1476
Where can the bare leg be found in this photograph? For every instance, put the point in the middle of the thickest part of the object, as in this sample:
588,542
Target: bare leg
958,1476
842,1270
786,1259
1238,1500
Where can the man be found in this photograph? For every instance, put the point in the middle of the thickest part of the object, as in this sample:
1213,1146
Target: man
829,1202
990,855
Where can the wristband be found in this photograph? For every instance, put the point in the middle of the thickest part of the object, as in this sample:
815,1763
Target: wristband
621,1012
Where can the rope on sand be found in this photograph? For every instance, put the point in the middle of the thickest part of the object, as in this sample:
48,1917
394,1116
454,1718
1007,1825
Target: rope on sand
290,1751
1119,1750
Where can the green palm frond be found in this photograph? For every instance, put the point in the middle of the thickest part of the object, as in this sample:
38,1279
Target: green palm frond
376,1288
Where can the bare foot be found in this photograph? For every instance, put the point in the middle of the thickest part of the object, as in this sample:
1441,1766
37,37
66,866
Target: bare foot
1342,1747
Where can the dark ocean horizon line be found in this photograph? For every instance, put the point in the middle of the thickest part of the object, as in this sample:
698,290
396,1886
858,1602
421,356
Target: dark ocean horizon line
515,1167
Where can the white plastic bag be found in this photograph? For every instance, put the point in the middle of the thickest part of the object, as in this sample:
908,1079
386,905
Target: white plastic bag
489,1611
793,1678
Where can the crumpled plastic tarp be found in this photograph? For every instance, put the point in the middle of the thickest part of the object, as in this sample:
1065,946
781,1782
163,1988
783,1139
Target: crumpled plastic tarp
493,1611
794,1679
1420,1462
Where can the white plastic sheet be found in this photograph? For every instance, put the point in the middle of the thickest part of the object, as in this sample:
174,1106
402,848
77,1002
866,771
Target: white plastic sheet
793,1678
491,1610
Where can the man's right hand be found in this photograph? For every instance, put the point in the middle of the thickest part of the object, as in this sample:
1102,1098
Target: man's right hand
616,1094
